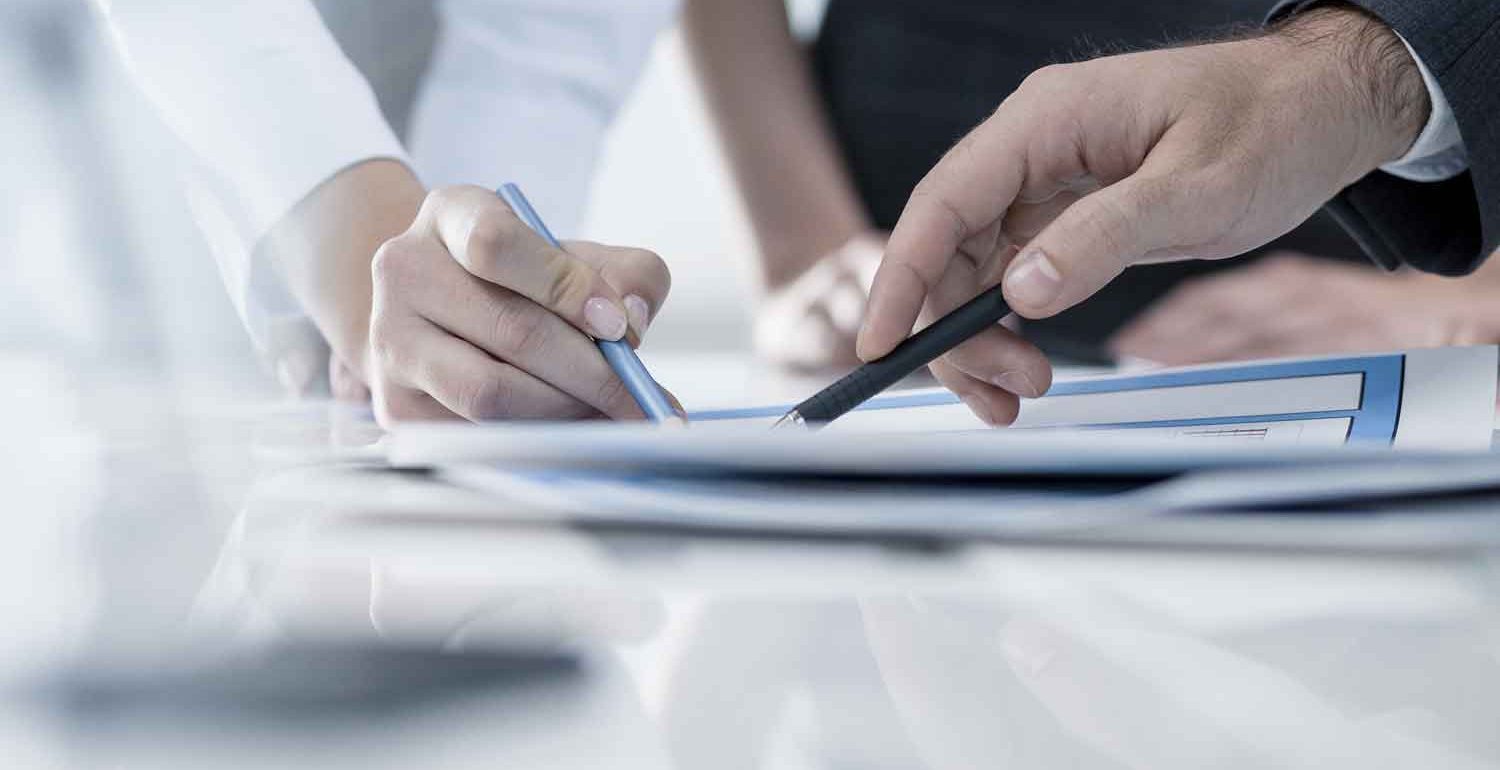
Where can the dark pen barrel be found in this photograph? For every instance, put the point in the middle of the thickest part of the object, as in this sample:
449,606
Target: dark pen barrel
917,351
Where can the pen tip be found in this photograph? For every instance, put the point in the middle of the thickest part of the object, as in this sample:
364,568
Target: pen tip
790,419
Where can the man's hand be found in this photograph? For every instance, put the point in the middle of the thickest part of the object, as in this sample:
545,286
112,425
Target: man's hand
1289,304
476,316
810,323
1200,152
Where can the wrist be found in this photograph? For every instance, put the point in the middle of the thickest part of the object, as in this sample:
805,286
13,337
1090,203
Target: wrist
323,248
850,267
1359,66
791,260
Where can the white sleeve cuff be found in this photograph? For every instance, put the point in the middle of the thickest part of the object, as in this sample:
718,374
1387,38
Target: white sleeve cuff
1439,151
266,107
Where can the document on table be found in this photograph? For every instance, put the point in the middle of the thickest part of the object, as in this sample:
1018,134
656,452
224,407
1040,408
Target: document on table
1248,505
1434,399
808,505
1158,422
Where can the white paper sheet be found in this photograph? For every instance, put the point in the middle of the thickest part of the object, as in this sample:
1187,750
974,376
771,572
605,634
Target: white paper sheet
1247,505
806,506
1264,412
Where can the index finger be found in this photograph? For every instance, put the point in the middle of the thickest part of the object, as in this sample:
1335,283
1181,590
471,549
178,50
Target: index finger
492,243
966,192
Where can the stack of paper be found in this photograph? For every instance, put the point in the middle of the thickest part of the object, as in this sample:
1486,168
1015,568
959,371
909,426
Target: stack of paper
920,459
1160,422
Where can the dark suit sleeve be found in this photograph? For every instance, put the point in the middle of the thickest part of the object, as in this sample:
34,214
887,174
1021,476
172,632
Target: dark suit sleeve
1446,227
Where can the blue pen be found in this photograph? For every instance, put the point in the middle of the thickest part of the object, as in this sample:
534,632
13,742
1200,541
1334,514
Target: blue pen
621,357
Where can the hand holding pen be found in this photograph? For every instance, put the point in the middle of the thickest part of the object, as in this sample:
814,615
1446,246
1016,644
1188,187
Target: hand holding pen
1186,152
618,352
477,316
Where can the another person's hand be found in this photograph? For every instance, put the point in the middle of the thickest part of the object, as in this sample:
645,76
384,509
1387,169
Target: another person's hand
1205,151
1289,304
475,316
810,323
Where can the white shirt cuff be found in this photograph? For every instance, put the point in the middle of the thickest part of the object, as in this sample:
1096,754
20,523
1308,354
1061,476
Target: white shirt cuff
1438,153
267,107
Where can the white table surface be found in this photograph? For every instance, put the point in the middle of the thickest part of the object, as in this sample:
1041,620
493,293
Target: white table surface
166,535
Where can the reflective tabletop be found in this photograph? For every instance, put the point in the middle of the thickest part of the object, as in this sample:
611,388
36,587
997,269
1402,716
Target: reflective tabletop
247,587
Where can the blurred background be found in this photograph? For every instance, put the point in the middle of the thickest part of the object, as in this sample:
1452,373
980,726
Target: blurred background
106,271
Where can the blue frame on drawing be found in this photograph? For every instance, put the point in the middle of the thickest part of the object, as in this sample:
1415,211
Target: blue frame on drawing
1375,421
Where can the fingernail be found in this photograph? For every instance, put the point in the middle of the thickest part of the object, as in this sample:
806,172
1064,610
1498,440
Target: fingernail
1033,280
639,312
1017,383
605,320
978,408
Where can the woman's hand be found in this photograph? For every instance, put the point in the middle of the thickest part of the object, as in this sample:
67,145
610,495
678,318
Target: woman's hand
463,311
475,316
810,322
1290,304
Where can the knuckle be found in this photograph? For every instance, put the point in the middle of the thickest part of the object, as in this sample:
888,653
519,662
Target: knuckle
383,342
439,198
490,236
1044,79
570,282
420,370
521,331
930,194
923,279
485,398
390,260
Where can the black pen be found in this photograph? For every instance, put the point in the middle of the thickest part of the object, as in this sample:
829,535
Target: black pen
915,352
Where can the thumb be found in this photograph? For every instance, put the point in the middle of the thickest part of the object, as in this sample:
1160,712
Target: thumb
1090,243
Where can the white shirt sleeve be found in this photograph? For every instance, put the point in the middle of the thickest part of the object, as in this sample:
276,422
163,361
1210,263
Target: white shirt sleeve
1438,153
524,90
268,107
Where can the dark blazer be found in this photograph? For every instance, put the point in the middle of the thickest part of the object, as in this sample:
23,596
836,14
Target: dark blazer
1445,227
